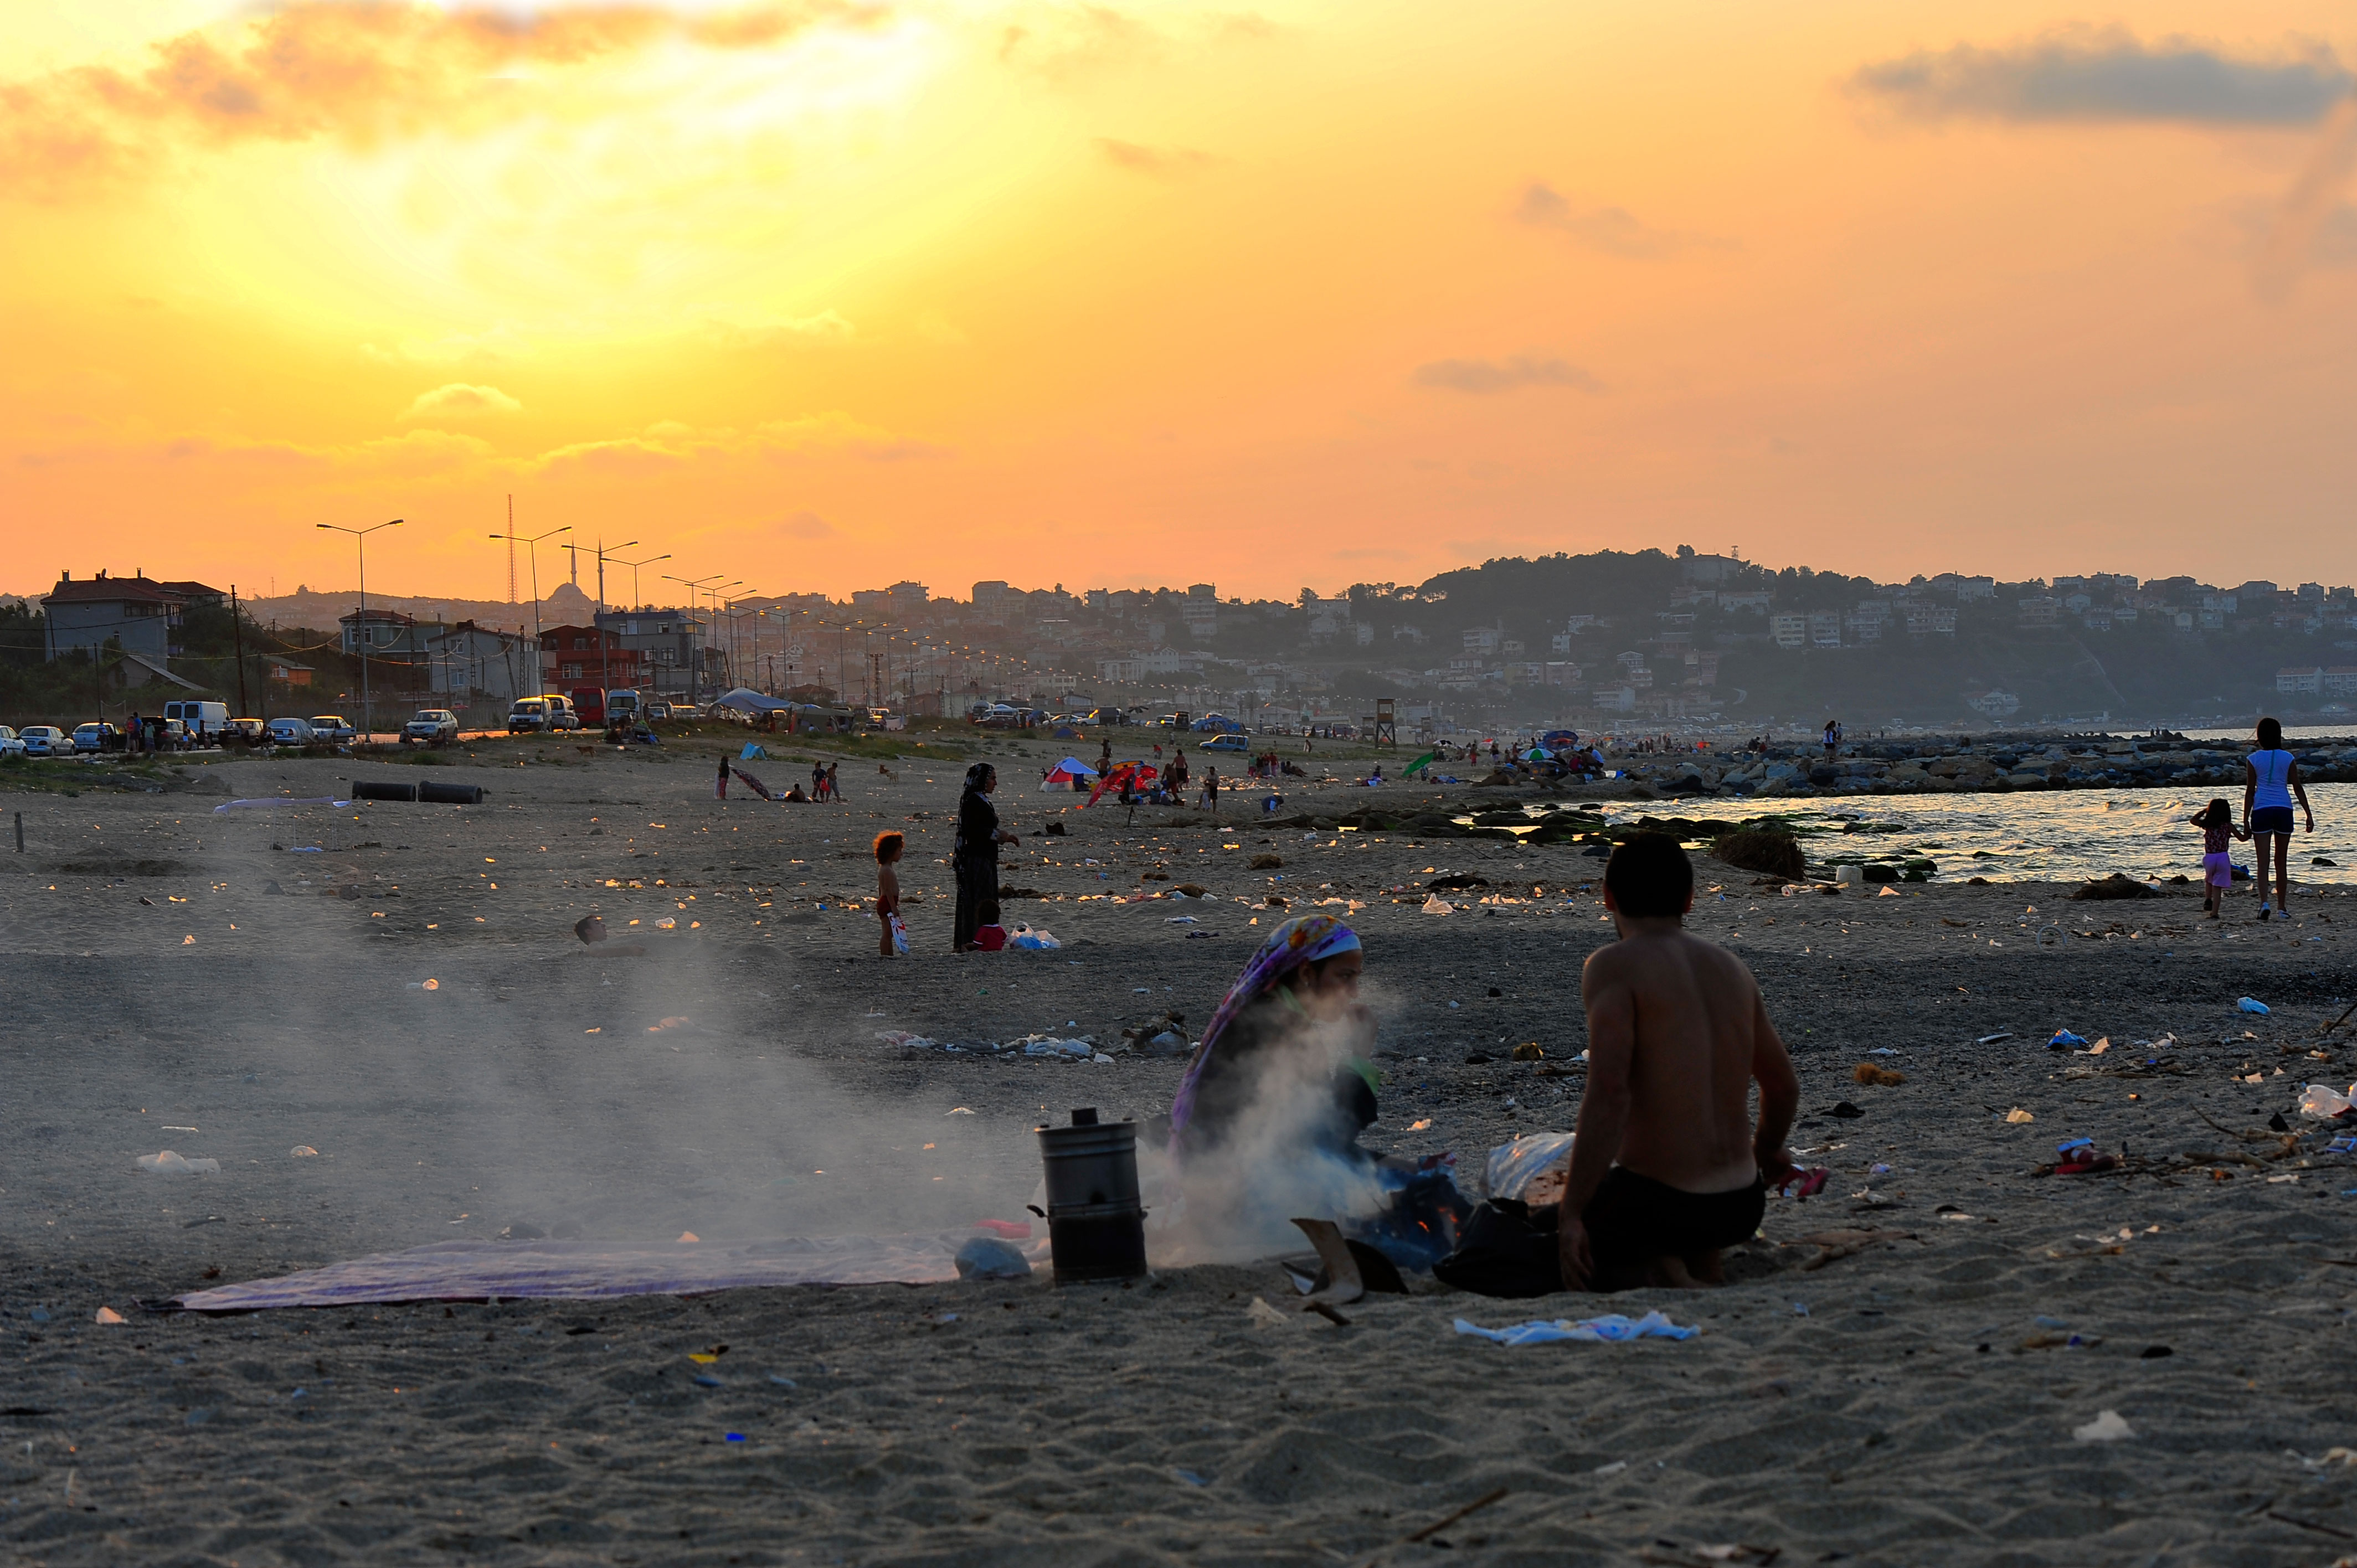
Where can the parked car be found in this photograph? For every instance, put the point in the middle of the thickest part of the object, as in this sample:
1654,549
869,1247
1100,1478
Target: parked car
290,731
250,729
548,712
10,744
205,720
1225,743
432,726
333,727
657,710
43,740
96,736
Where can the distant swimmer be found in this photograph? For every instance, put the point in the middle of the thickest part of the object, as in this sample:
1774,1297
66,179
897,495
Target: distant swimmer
1666,1167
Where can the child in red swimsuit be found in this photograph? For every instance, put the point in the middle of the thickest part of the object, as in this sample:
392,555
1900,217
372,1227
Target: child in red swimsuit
2218,830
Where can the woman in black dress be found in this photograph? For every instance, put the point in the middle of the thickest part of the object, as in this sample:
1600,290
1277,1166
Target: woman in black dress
974,859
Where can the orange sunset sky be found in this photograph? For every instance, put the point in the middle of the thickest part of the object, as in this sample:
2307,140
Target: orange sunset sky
824,294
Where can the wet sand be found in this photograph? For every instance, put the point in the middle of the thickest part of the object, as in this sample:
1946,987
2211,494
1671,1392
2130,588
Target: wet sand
1915,1403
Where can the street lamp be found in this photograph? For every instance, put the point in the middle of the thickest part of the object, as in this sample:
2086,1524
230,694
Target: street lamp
527,543
368,722
636,603
696,668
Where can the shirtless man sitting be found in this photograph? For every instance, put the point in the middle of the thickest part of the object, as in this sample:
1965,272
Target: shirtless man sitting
1666,1168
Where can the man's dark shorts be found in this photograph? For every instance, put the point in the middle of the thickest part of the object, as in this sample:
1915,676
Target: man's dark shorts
1632,1219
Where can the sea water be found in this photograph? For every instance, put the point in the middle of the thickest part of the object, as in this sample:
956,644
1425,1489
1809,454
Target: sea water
2038,835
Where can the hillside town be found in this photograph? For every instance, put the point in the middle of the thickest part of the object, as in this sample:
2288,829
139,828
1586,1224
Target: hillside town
1610,639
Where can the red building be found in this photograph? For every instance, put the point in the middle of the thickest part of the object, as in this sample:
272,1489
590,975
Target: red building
572,656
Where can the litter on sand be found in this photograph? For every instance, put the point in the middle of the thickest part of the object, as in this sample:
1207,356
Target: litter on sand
991,1258
1260,1314
1611,1329
2105,1428
2017,1115
2324,1102
2253,1004
585,1270
169,1164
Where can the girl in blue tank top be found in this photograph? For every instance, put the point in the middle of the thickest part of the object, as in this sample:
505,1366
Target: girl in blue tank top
2271,784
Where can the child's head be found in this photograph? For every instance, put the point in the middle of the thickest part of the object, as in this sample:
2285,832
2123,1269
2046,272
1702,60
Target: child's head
2270,735
2217,813
889,847
1649,875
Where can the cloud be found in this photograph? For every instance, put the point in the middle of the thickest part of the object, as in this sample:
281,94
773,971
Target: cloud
1485,377
499,344
668,444
2310,225
459,400
2109,74
1062,42
1154,163
806,525
1614,230
769,331
360,74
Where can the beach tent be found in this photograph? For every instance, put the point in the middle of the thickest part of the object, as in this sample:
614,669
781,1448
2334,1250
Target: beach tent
747,701
1065,772
1137,773
1535,755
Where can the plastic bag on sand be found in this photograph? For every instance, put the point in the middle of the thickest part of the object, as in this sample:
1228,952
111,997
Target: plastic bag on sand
2253,1004
1037,941
2105,1428
1043,1046
2323,1102
1434,904
169,1164
988,1258
1611,1329
1512,1168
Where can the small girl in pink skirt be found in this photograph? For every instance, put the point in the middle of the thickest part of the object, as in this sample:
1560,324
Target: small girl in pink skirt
2218,831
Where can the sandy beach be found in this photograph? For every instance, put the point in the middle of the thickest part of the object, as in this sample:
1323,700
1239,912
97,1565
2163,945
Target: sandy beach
398,987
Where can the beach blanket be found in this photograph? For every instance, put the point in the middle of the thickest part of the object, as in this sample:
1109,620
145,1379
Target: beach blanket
1610,1329
754,784
585,1271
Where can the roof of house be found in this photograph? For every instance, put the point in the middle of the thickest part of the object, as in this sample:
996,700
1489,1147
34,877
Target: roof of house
106,590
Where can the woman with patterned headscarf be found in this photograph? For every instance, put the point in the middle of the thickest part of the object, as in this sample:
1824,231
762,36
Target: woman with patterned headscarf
975,858
1296,1001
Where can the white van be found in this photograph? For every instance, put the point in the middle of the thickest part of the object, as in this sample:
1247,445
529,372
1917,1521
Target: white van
549,711
207,721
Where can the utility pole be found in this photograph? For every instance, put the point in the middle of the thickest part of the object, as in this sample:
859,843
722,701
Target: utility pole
511,586
368,722
530,549
237,634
